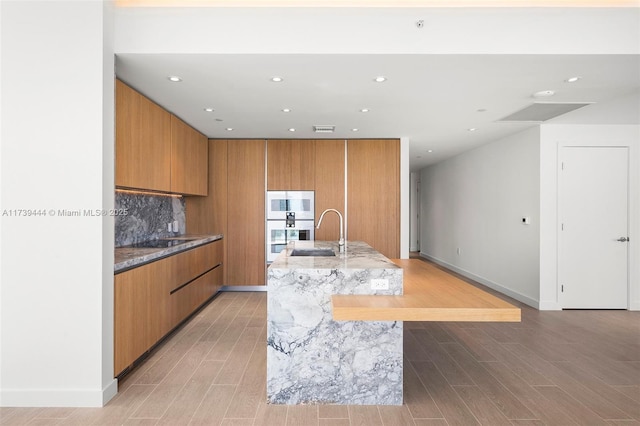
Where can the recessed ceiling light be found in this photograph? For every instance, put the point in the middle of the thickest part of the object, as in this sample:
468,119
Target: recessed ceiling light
276,79
544,93
354,130
174,78
209,109
429,150
472,129
481,110
292,129
573,79
286,109
380,79
229,129
364,110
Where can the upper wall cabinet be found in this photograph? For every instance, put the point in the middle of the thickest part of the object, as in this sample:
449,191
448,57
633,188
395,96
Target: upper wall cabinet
143,142
155,150
189,162
290,165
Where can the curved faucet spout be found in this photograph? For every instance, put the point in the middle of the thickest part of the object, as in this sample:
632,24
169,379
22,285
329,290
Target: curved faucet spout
341,240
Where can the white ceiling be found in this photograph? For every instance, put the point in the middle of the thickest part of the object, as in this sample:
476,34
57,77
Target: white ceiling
430,99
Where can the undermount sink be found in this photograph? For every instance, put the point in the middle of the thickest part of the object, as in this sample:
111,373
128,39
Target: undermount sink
312,252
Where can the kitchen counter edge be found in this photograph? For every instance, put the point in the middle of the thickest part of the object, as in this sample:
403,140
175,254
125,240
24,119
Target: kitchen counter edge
128,257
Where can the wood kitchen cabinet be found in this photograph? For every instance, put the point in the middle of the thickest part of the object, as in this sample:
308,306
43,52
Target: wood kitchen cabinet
373,193
188,159
156,150
235,208
140,316
290,165
143,142
208,215
197,276
153,299
329,186
245,212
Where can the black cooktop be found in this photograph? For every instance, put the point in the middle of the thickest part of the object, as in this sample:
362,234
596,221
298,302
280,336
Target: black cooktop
157,244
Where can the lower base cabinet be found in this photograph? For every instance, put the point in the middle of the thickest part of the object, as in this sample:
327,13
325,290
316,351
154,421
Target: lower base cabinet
151,300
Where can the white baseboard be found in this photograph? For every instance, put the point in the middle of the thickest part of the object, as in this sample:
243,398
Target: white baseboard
495,286
550,305
58,397
634,305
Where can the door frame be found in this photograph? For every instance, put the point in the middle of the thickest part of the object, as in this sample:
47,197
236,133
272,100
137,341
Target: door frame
560,212
552,137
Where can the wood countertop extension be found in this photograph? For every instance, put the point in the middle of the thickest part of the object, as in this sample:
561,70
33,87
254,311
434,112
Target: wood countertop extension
430,294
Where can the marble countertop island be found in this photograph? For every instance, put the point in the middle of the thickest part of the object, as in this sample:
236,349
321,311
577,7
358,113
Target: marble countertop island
313,359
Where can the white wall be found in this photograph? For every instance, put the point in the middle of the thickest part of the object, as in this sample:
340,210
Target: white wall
56,276
304,30
414,209
404,198
476,202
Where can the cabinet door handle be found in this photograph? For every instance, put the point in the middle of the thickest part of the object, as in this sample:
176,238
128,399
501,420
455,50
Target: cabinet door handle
623,239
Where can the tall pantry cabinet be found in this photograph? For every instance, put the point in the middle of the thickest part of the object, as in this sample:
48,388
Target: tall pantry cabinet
373,193
235,208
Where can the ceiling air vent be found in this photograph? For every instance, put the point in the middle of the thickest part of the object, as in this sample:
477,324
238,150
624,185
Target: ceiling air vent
324,129
543,111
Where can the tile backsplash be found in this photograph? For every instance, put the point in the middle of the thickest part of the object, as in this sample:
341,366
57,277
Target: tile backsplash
147,217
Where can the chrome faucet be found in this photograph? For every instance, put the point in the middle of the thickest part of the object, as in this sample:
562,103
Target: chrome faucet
341,240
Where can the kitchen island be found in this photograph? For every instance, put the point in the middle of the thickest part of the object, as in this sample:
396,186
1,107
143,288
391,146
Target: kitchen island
312,358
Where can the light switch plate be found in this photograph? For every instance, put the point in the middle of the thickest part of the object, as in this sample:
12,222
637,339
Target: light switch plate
379,284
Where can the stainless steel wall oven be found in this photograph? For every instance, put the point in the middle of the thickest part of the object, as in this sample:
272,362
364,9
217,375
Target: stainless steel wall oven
290,217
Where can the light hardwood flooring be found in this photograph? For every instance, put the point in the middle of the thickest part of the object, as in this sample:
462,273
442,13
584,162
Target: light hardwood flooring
553,368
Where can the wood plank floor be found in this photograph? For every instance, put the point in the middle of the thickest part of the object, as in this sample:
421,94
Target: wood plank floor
553,368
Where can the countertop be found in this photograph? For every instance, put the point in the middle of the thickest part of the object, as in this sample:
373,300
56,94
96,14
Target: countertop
357,255
131,257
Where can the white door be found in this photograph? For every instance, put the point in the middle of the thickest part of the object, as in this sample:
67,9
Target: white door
593,269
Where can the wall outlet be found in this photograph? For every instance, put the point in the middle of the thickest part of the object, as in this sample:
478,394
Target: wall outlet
175,226
458,251
379,284
170,227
